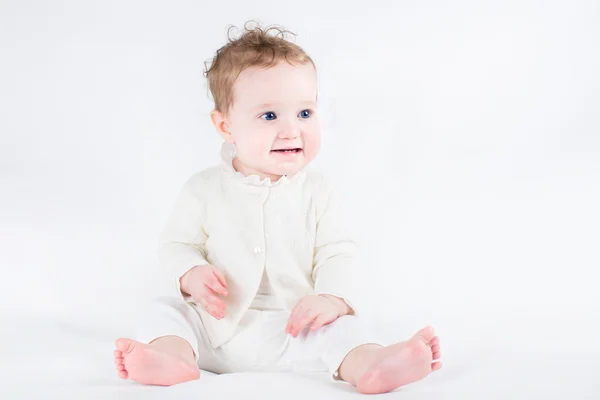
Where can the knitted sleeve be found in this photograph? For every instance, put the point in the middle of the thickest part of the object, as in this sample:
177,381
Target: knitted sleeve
335,249
181,243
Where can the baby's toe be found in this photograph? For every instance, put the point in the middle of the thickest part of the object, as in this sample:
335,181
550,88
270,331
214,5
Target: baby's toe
435,348
122,374
125,345
119,360
117,353
426,334
434,341
436,366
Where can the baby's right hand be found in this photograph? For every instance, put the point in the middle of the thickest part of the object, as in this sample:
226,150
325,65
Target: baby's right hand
203,283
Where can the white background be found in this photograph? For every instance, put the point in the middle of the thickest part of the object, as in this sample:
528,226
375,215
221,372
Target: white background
465,134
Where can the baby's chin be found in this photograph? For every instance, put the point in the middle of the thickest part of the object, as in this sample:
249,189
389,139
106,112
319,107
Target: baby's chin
286,170
286,165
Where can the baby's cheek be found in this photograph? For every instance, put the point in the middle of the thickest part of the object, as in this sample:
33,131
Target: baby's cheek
311,147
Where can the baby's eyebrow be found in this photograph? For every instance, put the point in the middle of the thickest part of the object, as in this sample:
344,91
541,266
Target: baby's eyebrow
271,105
264,105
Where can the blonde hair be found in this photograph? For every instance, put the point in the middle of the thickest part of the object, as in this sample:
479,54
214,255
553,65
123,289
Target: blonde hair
256,47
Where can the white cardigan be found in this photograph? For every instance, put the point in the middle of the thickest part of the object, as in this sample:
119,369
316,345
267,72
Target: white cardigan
295,228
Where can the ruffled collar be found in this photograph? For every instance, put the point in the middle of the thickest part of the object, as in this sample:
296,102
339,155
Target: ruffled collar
227,157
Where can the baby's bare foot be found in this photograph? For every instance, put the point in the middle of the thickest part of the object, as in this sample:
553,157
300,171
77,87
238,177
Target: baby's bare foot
147,364
402,363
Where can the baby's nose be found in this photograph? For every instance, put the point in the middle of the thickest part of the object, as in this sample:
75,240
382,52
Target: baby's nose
289,131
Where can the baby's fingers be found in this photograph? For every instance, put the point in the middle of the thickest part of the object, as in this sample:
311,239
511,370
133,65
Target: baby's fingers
214,311
220,277
302,322
292,320
218,314
290,323
319,322
213,283
212,300
296,311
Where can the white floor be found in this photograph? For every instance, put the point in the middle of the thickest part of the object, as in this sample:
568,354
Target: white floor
54,360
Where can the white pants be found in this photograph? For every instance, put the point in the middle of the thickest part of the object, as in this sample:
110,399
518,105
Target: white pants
262,345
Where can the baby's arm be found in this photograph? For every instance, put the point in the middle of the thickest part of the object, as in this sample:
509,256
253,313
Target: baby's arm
333,262
183,254
181,243
335,252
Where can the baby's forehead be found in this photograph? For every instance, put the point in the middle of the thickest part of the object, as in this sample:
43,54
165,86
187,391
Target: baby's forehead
276,87
282,76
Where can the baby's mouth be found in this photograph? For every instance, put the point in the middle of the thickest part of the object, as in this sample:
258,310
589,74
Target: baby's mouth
294,150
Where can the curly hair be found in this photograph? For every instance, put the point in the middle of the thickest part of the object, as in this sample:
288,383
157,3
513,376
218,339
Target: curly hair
256,47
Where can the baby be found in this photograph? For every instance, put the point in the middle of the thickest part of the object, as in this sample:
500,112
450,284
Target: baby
257,248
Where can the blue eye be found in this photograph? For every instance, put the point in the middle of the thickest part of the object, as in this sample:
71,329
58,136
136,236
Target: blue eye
270,116
304,114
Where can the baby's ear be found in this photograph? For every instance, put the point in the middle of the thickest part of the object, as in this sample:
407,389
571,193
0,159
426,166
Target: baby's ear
221,125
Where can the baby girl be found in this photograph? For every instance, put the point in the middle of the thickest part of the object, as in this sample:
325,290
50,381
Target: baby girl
258,249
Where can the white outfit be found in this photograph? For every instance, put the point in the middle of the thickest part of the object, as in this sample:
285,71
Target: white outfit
275,243
262,345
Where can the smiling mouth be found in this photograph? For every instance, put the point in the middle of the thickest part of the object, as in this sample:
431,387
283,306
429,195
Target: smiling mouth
296,150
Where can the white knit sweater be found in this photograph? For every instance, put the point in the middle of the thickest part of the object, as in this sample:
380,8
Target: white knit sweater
294,228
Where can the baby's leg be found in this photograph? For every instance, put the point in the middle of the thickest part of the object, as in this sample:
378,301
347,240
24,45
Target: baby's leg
376,369
167,347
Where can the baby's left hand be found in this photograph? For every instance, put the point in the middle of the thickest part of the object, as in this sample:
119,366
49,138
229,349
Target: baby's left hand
315,310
